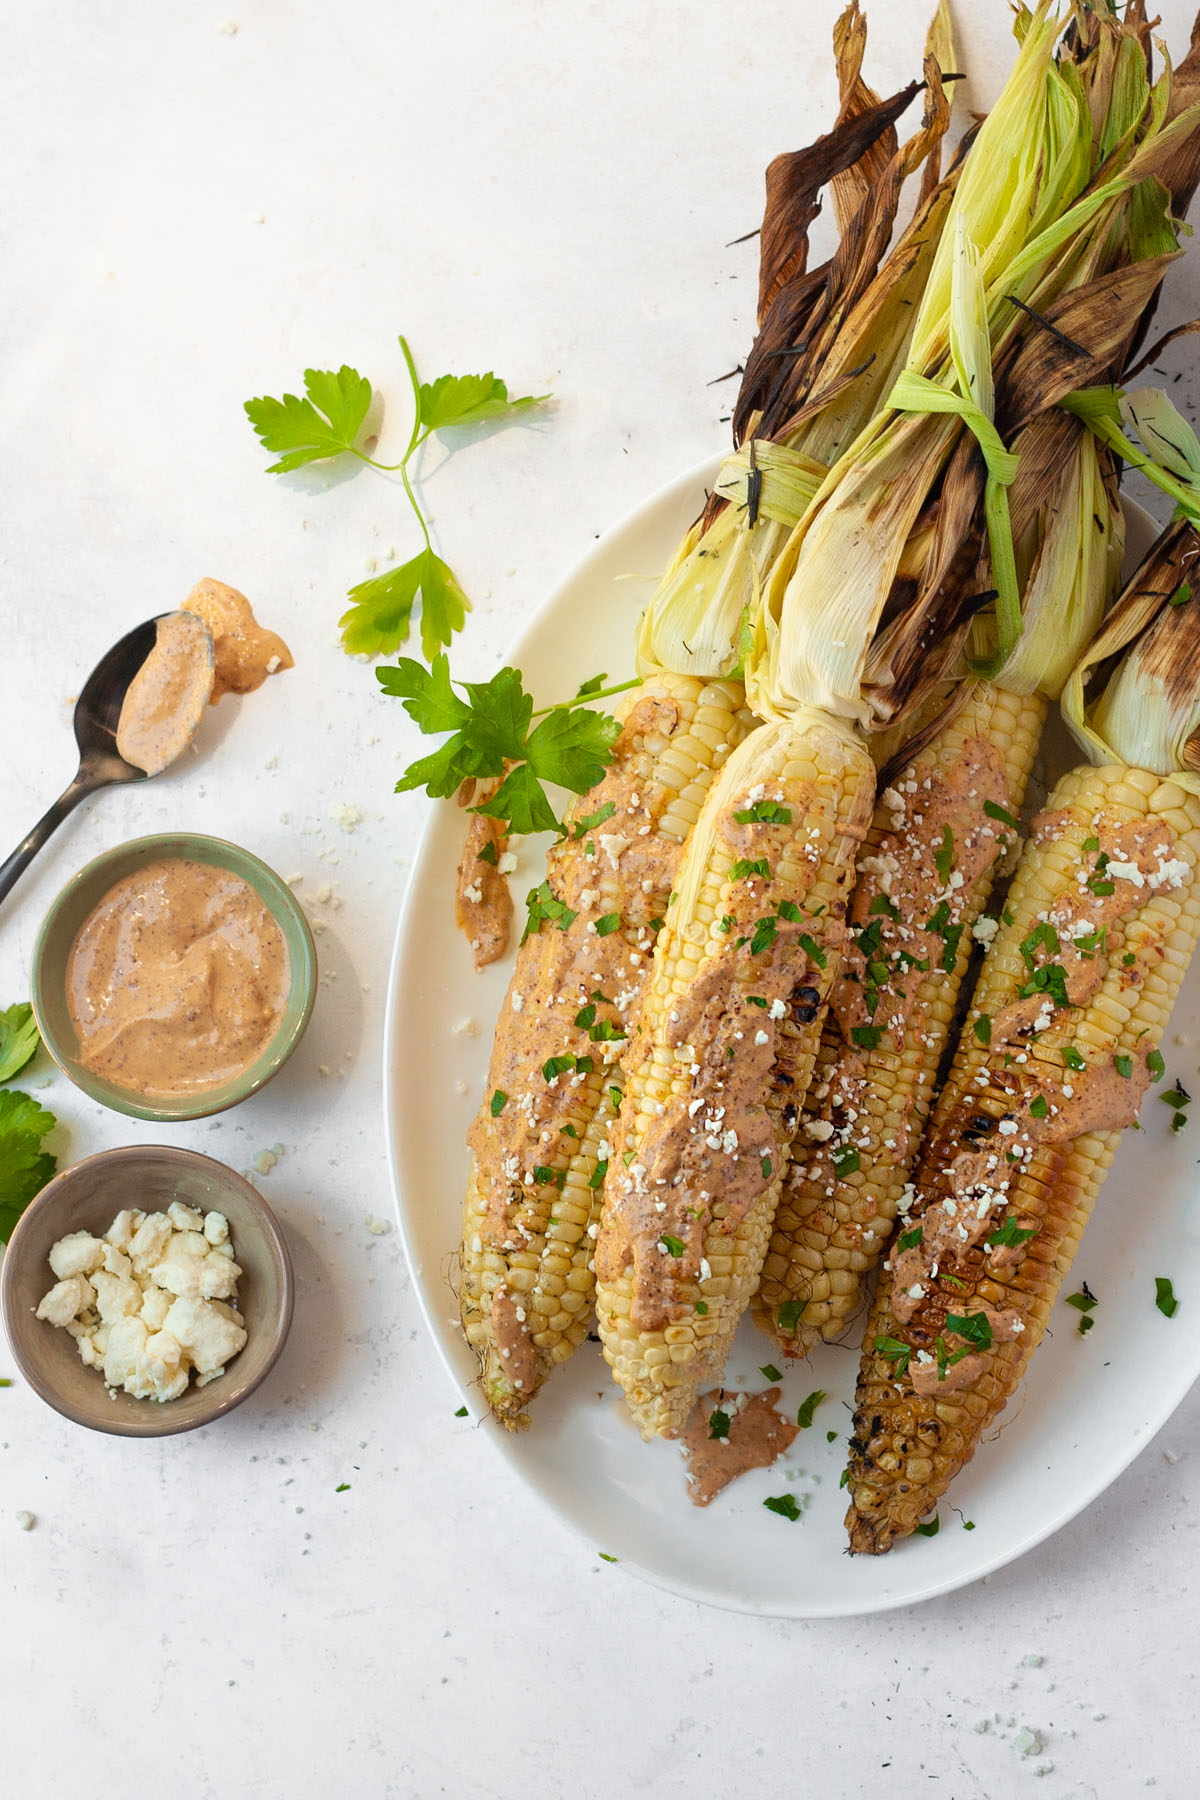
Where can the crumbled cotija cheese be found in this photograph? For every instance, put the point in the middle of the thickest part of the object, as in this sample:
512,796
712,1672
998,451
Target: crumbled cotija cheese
150,1301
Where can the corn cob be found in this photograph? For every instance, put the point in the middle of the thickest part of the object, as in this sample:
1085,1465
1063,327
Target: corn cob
525,1277
726,1039
873,1082
1060,1047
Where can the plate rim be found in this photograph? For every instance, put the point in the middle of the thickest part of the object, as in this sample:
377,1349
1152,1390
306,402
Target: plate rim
696,479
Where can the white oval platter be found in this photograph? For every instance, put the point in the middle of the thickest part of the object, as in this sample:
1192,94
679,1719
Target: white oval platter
1088,1404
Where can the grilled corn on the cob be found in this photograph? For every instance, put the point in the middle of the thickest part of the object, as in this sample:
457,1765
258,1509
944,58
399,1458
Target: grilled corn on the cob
1060,1047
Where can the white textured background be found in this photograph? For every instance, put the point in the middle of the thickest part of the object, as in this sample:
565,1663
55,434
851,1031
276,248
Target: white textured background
192,215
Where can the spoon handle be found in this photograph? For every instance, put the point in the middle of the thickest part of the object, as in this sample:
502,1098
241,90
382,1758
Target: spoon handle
15,865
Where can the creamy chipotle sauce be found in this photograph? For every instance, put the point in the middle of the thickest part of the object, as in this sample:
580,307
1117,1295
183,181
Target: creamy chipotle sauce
178,979
246,653
165,701
755,1435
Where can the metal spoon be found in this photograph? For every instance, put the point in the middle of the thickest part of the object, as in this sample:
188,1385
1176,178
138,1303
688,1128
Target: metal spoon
97,715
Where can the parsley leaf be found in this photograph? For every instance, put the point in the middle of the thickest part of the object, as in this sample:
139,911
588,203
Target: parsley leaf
309,430
896,1352
784,1505
930,1528
490,733
718,1424
24,1169
771,1372
469,400
381,613
789,1314
804,1417
18,1039
1164,1296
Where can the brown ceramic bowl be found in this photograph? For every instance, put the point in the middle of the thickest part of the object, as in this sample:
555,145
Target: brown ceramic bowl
88,1197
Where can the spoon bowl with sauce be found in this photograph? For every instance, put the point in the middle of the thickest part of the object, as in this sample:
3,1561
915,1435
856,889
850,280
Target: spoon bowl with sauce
137,712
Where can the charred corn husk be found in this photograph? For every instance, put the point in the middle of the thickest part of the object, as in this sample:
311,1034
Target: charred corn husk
726,1039
940,830
525,1276
1060,1047
543,1131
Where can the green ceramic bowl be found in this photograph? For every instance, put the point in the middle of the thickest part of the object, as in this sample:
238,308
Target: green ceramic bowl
48,975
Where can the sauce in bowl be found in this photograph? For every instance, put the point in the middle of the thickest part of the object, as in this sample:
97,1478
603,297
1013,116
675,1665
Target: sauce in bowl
177,980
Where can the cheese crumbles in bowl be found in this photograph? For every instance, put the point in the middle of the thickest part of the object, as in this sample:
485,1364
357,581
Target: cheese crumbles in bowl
156,1233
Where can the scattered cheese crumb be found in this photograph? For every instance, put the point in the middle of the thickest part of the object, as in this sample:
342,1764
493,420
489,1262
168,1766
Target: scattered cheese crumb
345,815
378,1227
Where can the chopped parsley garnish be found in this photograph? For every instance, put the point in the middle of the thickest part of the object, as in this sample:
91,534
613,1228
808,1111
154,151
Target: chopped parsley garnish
998,812
983,1028
542,1174
943,856
910,1239
605,1557
461,1413
766,1168
702,1307
672,1245
1042,936
608,924
844,1482
789,1314
1073,1059
498,1103
756,1000
788,909
586,1016
555,1066
1038,1106
764,936
954,1282
584,1064
968,1524
973,1328
845,1161
930,1529
881,904
615,1095
596,1178
784,1505
718,1424
898,1354
583,826
1182,594
743,870
1084,1302
812,950
544,907
1155,1064
804,1417
343,1487
726,924
764,812
867,1037
831,1437
771,1372
1050,979
1124,1066
488,854
606,1033
951,938
1090,845
1009,1235
1100,887
1164,1296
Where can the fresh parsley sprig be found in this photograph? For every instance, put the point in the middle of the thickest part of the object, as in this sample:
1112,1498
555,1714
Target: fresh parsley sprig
326,422
490,735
